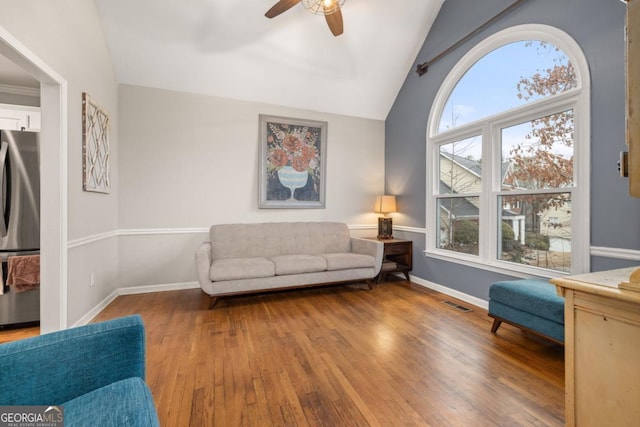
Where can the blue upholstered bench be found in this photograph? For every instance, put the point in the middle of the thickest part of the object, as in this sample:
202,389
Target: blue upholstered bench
530,304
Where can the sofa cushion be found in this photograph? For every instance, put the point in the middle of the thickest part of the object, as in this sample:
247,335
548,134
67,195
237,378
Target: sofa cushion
278,238
241,268
297,264
539,324
345,261
535,296
123,403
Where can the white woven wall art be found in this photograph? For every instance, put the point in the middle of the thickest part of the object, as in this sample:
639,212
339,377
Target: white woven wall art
96,147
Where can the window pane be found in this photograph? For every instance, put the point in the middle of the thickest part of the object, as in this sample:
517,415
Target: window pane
538,154
508,77
458,224
460,166
536,230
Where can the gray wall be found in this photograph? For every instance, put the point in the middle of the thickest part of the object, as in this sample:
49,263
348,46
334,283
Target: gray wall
189,161
177,178
67,36
598,27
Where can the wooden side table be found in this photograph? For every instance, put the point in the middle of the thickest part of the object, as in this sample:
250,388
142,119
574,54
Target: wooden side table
397,257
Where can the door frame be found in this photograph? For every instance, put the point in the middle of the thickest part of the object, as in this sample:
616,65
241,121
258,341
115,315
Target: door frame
53,182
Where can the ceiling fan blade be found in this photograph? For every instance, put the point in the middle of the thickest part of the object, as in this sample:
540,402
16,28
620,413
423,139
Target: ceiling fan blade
334,20
281,6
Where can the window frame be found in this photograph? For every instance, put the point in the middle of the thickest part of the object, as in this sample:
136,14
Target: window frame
489,128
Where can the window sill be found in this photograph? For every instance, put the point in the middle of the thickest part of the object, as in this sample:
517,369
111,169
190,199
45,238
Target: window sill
501,267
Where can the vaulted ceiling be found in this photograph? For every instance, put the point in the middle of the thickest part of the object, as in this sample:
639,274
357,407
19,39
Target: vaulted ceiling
229,48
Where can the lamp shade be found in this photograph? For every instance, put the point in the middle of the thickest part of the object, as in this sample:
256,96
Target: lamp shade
385,204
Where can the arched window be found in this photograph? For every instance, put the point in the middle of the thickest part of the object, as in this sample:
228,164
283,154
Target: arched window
508,156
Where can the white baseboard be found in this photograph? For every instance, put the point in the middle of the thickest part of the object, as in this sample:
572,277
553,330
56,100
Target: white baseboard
96,310
132,291
158,288
451,292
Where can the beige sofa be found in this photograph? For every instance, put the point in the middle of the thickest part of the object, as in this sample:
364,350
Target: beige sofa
245,258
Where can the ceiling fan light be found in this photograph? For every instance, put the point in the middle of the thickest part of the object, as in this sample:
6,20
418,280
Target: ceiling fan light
322,7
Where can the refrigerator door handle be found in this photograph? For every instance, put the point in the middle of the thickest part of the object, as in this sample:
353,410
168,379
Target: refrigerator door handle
3,167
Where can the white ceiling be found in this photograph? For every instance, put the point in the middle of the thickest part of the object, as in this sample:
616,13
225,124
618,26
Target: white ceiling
228,48
12,75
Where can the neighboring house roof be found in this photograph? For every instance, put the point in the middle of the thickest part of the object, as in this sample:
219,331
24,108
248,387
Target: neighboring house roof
459,206
471,165
510,213
505,169
474,166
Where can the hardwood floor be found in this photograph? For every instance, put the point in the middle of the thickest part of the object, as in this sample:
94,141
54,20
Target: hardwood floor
342,356
7,335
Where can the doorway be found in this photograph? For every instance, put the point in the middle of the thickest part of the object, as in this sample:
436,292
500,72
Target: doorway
53,181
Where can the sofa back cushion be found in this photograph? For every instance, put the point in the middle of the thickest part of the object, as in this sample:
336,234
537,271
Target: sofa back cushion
278,238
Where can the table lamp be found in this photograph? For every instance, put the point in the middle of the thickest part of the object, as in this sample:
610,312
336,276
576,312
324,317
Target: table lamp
384,205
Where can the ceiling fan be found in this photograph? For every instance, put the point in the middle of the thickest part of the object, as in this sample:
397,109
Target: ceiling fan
329,8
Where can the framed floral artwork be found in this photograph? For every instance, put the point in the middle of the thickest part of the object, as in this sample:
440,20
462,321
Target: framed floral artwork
292,168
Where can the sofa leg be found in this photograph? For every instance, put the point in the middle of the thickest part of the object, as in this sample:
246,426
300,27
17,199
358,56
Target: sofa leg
496,325
212,302
368,282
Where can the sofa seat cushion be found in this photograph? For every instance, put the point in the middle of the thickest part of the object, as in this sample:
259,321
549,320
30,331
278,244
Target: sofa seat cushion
241,268
348,260
535,296
298,264
123,403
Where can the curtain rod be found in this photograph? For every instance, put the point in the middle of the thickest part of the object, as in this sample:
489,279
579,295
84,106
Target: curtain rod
422,68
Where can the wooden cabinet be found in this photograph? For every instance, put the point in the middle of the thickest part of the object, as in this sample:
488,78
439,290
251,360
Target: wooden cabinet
18,117
633,94
398,257
602,349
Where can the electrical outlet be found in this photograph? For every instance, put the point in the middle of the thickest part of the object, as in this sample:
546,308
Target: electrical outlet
92,279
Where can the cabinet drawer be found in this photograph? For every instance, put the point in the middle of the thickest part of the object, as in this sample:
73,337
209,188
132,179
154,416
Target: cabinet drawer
396,249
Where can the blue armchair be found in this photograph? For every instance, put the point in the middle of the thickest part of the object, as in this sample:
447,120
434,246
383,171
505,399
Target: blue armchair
95,372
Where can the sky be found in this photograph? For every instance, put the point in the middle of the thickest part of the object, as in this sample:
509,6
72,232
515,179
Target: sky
490,87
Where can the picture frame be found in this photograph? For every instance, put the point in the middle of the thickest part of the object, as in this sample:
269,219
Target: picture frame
292,171
96,147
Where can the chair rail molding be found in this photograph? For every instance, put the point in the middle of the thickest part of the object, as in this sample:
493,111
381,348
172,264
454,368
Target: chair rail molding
618,253
157,231
163,231
601,251
91,239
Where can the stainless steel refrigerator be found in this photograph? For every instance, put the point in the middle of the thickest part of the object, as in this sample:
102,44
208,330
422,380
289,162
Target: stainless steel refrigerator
19,220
